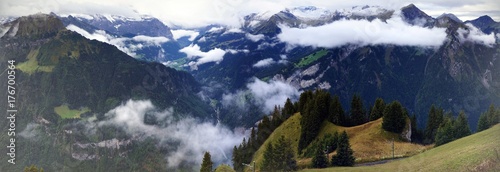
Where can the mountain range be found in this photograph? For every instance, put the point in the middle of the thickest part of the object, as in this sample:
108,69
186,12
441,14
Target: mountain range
76,70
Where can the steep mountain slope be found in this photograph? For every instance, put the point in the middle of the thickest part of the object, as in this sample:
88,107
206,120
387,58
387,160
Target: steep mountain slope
145,37
64,80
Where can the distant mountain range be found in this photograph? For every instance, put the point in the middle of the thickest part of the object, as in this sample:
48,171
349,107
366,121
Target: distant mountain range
417,75
76,68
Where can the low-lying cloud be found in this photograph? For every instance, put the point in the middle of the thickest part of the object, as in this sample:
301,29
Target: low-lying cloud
265,94
193,137
254,38
394,31
193,52
475,35
179,33
122,43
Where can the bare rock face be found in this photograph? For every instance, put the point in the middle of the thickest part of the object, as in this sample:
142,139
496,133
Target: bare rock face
406,134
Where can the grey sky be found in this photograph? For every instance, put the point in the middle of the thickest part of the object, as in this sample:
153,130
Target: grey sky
192,13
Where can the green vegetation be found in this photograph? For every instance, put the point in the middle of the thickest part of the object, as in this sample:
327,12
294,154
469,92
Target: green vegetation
452,129
344,156
311,58
206,165
477,152
394,117
31,66
33,168
279,156
378,109
436,116
224,168
67,113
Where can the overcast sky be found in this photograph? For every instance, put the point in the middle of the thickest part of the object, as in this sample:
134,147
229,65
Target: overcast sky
192,13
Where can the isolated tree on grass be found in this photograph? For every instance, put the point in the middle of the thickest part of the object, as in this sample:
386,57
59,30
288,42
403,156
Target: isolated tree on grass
206,165
394,118
344,155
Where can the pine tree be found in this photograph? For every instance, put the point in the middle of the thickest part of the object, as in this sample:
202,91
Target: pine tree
357,111
444,133
483,123
288,109
394,118
433,122
319,160
284,155
337,114
344,155
461,126
206,165
491,116
269,163
237,159
377,110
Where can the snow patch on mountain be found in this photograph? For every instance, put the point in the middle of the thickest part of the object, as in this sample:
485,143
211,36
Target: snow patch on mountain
309,12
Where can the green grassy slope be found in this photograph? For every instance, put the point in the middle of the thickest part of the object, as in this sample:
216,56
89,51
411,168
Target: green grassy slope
477,152
369,141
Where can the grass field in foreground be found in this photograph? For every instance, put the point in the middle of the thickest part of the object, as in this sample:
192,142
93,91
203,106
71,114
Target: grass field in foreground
477,152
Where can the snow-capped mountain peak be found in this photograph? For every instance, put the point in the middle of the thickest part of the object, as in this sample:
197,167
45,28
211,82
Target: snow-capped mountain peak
309,12
364,11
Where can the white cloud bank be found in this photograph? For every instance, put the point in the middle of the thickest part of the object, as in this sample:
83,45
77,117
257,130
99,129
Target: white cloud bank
255,38
194,137
122,43
265,94
475,35
179,33
193,52
264,63
393,31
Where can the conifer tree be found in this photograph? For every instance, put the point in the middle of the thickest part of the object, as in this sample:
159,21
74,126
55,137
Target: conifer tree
357,111
337,114
344,155
288,109
434,120
377,110
394,118
461,126
269,163
444,133
319,160
491,116
206,165
483,123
